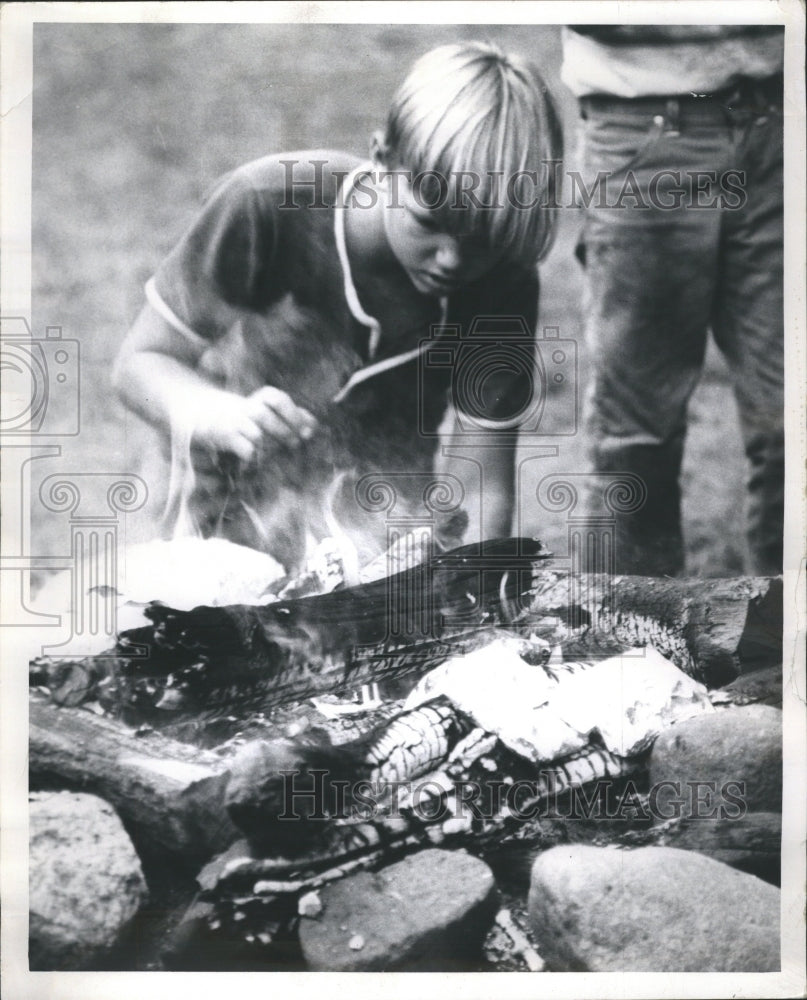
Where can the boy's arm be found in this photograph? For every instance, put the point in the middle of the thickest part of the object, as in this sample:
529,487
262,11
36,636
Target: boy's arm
155,376
212,277
484,462
490,463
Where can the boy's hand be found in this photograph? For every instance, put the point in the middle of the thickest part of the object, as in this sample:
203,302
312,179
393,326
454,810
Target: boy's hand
240,425
280,419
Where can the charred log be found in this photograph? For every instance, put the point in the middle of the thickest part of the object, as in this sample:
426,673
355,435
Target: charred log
255,657
244,658
280,792
169,795
714,630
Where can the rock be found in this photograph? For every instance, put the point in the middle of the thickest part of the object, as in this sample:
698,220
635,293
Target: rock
654,909
762,686
738,744
309,905
751,843
85,880
429,912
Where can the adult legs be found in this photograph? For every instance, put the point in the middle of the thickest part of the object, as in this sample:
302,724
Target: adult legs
749,328
650,274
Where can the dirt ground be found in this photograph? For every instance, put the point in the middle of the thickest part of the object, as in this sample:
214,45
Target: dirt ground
133,123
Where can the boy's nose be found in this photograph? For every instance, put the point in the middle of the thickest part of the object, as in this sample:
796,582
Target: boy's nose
449,255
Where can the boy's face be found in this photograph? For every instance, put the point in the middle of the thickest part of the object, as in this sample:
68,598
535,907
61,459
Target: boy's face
436,261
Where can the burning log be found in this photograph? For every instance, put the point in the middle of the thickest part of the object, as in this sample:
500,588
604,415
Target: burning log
249,658
245,658
255,657
711,629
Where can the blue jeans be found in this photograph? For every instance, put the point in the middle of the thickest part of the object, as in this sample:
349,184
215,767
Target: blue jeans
668,255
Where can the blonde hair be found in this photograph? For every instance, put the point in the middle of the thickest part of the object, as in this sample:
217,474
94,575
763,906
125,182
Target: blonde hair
470,109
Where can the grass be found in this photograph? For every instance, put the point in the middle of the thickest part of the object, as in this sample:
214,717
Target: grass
132,123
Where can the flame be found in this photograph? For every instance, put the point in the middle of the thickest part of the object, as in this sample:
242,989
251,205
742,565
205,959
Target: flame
179,521
346,547
351,550
177,516
339,540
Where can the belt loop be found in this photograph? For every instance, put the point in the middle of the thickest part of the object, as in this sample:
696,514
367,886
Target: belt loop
672,117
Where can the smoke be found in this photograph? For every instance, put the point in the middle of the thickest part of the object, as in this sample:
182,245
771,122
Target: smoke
289,500
177,516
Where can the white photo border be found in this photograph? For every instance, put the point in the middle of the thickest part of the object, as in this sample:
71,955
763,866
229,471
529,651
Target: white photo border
15,281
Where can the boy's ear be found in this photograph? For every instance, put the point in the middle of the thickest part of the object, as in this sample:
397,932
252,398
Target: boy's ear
378,149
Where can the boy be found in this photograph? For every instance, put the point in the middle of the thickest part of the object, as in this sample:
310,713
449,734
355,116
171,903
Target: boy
281,341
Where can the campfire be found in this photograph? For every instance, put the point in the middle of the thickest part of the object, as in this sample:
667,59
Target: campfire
233,735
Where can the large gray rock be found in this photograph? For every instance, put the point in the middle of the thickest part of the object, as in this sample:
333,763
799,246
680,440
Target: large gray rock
759,687
654,909
742,744
752,842
85,880
430,911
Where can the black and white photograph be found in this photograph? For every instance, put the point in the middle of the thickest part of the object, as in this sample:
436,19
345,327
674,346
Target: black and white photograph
403,490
